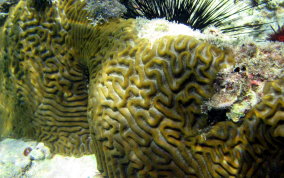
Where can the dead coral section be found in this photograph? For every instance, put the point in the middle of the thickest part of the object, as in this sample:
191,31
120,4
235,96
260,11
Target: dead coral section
264,61
103,10
237,91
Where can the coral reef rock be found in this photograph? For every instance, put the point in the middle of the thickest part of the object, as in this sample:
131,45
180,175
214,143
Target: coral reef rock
134,102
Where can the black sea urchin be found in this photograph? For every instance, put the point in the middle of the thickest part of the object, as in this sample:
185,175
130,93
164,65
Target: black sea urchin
198,14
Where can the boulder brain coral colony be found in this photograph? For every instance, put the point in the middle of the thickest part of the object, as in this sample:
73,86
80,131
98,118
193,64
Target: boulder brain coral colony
101,89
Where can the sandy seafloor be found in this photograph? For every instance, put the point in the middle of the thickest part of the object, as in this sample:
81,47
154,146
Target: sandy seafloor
40,163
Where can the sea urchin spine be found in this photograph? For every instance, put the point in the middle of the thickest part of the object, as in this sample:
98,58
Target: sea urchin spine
277,35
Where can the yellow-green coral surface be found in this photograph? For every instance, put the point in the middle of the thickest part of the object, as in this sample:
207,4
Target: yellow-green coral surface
86,89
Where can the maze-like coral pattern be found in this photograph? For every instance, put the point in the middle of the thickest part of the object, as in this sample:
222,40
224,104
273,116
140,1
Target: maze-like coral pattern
49,83
268,138
271,109
84,89
146,106
253,148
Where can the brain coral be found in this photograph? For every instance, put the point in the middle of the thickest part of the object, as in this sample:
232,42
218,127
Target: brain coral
86,89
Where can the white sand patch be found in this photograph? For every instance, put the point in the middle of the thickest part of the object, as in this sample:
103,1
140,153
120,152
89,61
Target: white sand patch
40,163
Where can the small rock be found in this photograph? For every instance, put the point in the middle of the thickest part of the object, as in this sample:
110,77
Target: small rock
37,154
